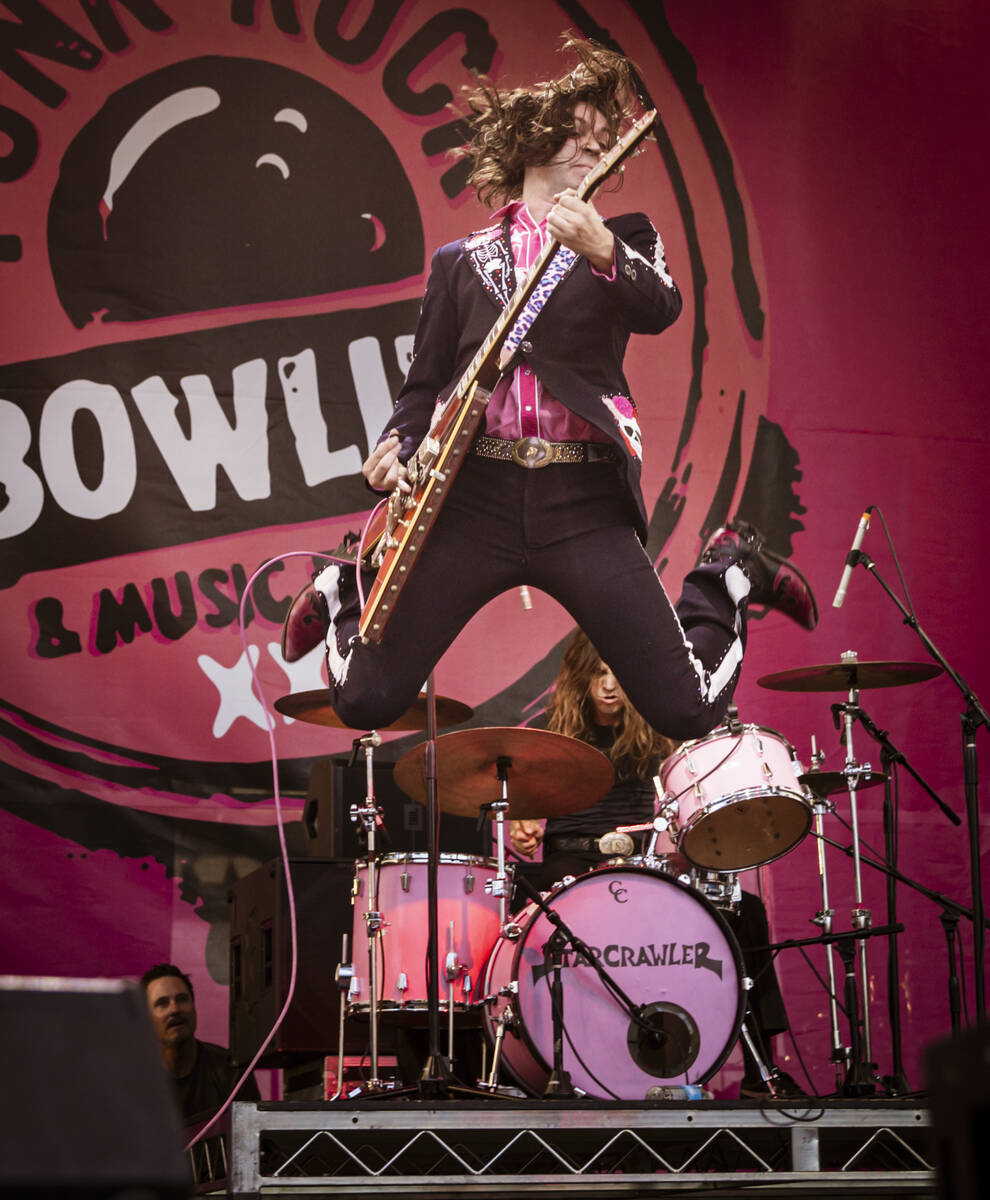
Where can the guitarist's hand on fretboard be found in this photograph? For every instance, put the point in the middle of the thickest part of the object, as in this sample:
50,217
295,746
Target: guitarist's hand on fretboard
575,223
382,468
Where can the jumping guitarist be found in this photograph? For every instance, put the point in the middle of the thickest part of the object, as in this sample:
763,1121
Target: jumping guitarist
548,492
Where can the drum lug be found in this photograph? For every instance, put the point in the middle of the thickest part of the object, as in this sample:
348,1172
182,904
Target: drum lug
357,887
404,880
469,882
402,982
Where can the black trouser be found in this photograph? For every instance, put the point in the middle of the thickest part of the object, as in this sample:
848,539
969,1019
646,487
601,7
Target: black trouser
567,530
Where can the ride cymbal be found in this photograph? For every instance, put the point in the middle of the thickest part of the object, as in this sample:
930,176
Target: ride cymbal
548,774
842,676
314,708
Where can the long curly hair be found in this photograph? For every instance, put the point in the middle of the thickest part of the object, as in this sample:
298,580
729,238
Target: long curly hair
512,129
572,712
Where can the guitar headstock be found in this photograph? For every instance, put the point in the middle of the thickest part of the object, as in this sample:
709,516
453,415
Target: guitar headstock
613,158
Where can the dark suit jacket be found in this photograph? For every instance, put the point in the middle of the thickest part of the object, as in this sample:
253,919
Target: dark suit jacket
576,345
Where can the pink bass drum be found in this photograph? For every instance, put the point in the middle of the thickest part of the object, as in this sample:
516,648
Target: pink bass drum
665,947
402,899
735,798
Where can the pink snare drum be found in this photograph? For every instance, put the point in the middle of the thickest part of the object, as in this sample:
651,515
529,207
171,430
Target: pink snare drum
736,797
665,947
402,901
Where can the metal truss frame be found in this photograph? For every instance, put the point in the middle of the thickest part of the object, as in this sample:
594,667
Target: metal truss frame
465,1149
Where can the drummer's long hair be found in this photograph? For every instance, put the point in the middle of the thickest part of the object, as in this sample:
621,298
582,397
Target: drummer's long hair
571,711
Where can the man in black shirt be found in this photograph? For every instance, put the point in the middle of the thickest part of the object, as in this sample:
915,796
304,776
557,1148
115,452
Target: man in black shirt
202,1073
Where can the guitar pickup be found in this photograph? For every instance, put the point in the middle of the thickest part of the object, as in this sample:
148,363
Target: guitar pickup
427,453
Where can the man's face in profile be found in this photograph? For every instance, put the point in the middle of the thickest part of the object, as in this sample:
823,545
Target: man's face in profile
173,1013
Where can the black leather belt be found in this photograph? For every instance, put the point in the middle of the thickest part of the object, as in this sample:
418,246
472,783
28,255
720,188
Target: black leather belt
564,842
533,452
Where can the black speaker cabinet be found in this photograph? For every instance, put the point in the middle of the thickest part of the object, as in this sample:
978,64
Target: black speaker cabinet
260,960
86,1109
335,785
958,1077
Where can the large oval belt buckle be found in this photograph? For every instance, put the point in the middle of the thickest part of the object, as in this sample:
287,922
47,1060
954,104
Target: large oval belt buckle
532,452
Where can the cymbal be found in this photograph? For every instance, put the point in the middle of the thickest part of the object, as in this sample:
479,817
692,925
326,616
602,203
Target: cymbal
840,677
549,774
314,707
827,783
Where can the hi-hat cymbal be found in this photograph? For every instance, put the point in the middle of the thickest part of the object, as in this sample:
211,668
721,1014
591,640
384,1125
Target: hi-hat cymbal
841,676
548,774
314,707
827,783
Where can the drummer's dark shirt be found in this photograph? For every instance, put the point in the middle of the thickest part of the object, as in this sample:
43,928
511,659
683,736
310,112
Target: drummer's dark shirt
628,802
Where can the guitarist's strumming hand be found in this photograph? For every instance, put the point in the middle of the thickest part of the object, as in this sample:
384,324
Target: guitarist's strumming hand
382,468
575,223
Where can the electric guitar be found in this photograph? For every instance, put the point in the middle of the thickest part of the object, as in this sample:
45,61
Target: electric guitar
397,532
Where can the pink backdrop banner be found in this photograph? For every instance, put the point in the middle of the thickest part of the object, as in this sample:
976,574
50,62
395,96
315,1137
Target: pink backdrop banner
216,227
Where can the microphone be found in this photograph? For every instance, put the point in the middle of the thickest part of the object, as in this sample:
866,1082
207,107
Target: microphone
861,528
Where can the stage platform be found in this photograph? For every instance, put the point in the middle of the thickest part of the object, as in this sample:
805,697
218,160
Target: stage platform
492,1148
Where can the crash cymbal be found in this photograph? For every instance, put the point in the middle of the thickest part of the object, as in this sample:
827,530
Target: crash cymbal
549,774
841,676
827,783
314,707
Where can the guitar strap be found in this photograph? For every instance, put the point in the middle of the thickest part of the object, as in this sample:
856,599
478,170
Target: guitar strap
489,251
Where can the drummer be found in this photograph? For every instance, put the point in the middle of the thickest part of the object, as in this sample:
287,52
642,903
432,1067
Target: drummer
588,703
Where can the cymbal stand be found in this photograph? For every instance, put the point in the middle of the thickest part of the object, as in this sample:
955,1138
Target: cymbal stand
370,818
499,886
860,916
823,919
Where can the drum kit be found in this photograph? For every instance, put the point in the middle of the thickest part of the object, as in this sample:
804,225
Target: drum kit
626,981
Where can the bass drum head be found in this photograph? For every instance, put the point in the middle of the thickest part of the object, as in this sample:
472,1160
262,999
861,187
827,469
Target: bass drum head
665,947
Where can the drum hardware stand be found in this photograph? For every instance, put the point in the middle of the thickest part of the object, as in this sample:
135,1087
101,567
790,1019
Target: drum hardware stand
858,1081
452,969
951,912
499,886
861,1076
370,818
559,1086
770,1076
889,756
840,1055
973,717
861,917
342,977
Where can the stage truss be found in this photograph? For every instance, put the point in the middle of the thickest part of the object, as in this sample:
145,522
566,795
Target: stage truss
420,1148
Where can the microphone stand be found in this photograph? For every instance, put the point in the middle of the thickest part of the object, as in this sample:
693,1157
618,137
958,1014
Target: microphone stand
436,1072
973,717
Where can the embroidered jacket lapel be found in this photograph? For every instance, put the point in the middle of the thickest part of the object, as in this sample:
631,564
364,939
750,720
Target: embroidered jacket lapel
489,251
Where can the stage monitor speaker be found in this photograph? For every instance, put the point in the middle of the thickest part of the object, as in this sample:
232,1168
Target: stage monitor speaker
261,961
958,1078
87,1109
335,785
